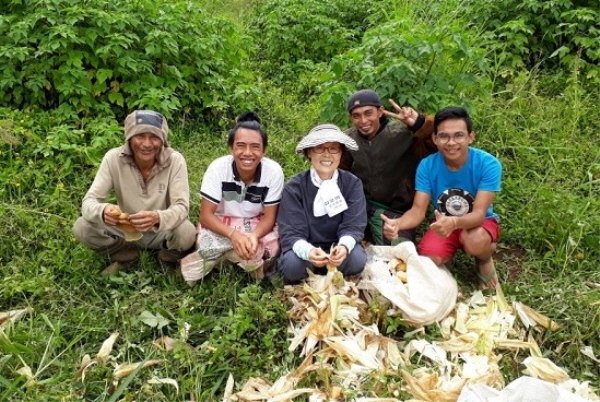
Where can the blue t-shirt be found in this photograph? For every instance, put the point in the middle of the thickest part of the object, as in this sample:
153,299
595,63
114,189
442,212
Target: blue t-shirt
453,192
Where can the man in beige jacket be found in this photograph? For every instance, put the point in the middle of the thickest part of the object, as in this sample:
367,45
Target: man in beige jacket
150,183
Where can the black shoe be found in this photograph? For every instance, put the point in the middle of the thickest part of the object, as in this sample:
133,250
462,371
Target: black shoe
170,256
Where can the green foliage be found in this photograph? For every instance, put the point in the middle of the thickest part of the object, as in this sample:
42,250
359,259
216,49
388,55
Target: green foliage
43,154
98,57
551,168
253,328
550,34
417,63
291,30
295,37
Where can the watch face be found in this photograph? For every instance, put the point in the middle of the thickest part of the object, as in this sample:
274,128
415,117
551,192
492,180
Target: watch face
455,202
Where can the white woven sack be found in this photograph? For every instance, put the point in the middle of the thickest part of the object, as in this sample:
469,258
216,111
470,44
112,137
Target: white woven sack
523,389
430,292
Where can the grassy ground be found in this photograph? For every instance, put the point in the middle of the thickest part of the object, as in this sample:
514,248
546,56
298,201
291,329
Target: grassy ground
238,326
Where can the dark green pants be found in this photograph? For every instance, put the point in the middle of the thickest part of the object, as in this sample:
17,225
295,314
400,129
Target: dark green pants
374,232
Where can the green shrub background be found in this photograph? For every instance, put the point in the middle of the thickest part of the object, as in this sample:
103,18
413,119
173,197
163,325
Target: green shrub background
89,58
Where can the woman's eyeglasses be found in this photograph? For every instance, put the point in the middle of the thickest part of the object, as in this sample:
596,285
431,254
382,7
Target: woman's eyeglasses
332,149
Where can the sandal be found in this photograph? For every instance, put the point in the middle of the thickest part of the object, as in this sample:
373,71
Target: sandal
485,279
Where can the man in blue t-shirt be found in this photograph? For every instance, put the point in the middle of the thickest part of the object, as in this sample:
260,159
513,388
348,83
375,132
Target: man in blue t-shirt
461,183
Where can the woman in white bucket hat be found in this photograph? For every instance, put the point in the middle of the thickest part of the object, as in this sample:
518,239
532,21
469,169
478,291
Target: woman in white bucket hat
322,215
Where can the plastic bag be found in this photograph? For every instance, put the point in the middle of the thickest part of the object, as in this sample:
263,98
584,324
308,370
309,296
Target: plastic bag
430,292
523,389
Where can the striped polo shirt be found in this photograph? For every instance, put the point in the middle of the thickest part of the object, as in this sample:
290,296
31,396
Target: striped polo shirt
222,185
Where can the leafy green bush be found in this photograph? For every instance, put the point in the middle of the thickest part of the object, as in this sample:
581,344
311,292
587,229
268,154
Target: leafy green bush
294,36
412,61
551,34
45,155
109,57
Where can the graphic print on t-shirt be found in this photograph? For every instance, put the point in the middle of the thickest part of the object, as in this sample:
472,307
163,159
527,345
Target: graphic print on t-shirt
455,202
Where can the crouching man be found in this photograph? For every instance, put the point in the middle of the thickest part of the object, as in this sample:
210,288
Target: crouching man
150,183
240,198
460,182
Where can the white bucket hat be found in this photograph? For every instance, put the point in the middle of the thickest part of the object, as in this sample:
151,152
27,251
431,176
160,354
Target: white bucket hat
326,133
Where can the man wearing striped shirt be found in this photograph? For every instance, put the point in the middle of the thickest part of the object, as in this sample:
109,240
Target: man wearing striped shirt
240,198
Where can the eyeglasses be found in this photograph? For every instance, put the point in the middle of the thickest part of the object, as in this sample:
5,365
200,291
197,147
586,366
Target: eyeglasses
332,149
459,137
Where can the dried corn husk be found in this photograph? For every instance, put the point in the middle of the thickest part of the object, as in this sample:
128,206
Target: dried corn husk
106,348
228,389
327,314
123,370
10,317
528,314
348,347
161,381
165,343
258,389
589,352
544,369
428,386
86,363
481,369
26,372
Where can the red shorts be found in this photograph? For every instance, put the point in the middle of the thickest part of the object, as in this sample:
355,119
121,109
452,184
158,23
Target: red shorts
433,245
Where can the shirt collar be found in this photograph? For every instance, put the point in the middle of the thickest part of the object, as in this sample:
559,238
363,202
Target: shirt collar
257,174
383,122
163,160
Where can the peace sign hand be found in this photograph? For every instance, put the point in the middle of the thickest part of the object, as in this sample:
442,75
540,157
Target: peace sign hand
406,115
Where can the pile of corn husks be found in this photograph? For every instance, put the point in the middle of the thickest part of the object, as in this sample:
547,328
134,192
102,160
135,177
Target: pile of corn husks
331,327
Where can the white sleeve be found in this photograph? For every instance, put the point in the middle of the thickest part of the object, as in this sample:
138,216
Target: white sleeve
302,249
212,187
347,241
275,186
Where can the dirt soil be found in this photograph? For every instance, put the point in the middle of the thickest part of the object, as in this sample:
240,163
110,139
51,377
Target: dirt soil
512,257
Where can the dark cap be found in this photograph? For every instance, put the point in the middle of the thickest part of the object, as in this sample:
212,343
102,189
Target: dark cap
365,97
